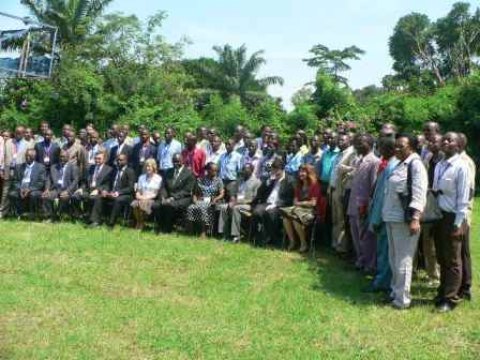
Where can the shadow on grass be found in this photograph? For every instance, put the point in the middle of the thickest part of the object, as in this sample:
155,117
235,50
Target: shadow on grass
339,278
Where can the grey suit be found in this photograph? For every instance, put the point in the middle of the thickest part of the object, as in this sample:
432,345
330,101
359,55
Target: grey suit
34,186
7,165
247,190
61,180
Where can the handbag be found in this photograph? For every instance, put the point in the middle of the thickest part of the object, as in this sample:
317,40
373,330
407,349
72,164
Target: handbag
431,212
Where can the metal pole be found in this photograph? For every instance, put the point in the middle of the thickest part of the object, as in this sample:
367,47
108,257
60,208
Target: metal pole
54,43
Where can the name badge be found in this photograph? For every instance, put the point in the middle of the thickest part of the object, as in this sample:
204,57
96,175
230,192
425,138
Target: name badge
26,181
46,160
60,182
142,159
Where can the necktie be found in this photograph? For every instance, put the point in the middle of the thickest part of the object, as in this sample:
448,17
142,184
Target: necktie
117,179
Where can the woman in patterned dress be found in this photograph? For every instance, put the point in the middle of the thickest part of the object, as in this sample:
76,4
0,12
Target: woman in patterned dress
208,192
148,186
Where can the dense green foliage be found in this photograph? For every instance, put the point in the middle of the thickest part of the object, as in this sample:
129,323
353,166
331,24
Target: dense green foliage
116,68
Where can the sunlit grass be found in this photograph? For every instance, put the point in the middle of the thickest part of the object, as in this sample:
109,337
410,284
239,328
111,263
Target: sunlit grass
68,292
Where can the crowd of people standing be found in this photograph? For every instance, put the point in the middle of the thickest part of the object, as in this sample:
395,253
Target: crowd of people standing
382,202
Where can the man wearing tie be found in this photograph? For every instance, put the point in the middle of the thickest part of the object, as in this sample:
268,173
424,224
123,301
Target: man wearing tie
176,193
62,182
28,185
98,182
122,188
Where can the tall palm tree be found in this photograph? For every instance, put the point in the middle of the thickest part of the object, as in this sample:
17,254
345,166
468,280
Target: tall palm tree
234,73
74,18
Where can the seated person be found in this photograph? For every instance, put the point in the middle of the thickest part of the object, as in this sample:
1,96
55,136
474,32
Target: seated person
274,193
123,187
62,182
176,193
298,217
91,193
247,190
148,188
28,185
208,192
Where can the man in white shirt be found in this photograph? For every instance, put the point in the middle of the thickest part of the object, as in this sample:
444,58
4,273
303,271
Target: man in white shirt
451,184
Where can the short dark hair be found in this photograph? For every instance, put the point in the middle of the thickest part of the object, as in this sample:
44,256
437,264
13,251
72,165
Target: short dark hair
412,140
278,163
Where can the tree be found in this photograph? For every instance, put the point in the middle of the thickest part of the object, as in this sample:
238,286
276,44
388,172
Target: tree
234,73
333,62
74,18
412,47
458,38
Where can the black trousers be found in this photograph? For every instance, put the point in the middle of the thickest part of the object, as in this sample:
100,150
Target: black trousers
449,255
30,204
166,214
231,189
92,205
272,225
49,208
465,289
118,205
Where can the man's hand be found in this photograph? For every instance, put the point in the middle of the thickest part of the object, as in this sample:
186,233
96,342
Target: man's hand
45,194
114,194
457,231
104,193
414,227
94,193
63,194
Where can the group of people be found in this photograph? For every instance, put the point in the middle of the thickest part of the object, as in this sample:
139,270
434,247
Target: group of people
390,202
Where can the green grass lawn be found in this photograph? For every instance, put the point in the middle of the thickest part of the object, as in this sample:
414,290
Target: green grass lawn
68,292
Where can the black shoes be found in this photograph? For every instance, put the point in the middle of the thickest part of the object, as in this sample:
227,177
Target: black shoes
445,307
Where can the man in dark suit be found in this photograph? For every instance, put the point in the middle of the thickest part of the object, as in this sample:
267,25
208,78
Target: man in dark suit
62,182
28,185
176,193
123,183
142,151
48,152
121,148
91,194
274,193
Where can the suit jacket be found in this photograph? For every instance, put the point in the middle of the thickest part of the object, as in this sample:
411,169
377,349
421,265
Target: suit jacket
54,153
151,153
126,183
251,188
9,151
70,180
104,179
126,150
285,193
180,188
37,177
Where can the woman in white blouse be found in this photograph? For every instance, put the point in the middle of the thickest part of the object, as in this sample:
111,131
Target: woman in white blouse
148,187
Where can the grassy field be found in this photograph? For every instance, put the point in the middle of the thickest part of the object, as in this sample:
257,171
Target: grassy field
71,293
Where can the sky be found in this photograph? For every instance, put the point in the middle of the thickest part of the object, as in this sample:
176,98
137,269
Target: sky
285,29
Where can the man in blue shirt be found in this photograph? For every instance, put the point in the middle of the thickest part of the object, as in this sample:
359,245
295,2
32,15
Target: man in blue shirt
169,147
230,166
294,159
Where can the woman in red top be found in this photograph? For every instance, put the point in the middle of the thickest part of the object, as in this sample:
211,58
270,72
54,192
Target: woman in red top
300,216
